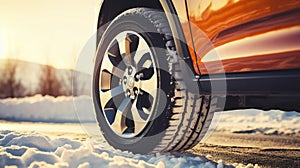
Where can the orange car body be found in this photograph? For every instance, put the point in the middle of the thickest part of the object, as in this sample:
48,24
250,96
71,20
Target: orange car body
247,36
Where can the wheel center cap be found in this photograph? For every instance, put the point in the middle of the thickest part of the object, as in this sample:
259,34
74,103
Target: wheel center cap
130,82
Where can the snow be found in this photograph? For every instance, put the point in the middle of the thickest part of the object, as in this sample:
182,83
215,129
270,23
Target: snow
80,109
48,109
36,150
273,122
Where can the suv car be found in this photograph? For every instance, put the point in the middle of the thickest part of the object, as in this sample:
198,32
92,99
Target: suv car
164,67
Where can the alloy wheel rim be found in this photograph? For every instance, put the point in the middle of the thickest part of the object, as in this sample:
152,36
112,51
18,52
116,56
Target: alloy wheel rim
128,83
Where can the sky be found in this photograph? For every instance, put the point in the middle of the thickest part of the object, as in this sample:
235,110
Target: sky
47,31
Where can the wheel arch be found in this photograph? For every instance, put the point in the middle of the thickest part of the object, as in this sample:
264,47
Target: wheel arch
109,10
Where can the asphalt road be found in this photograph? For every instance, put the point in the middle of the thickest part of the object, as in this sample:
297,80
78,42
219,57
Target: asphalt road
264,150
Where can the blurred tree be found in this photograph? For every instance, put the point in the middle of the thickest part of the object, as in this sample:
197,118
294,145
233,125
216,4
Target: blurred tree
49,83
10,85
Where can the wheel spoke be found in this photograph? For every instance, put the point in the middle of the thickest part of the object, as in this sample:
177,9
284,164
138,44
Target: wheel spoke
142,50
139,122
119,124
150,85
118,72
122,44
145,61
106,95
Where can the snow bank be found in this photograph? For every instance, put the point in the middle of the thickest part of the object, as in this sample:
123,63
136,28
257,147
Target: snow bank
36,150
48,109
80,109
273,122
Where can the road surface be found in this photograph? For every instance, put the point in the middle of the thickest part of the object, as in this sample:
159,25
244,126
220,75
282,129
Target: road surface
266,151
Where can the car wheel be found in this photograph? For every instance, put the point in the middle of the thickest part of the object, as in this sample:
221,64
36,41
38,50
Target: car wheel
141,101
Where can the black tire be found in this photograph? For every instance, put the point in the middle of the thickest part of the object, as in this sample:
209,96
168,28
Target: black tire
178,119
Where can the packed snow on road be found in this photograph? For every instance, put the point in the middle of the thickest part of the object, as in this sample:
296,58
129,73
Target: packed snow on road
34,149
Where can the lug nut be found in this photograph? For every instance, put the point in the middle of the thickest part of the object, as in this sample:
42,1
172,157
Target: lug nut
127,93
129,70
132,97
125,80
138,76
141,75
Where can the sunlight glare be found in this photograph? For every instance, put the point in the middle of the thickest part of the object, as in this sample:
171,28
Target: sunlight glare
2,45
217,4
